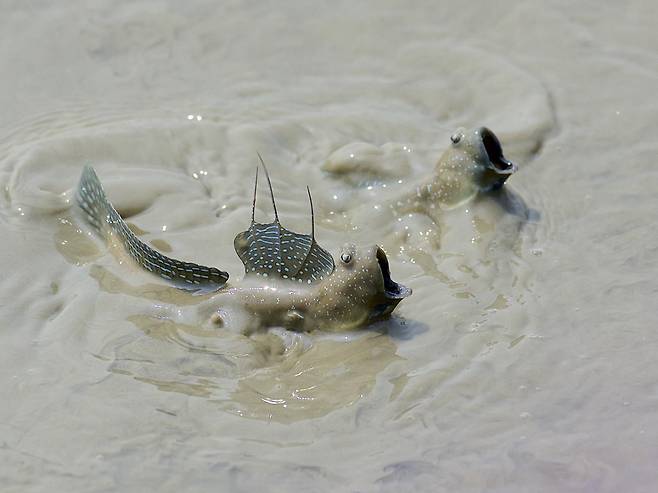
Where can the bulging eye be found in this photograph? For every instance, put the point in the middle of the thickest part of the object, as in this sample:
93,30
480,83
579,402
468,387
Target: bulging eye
346,257
455,138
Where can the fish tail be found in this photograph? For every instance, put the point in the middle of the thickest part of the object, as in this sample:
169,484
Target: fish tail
100,214
91,199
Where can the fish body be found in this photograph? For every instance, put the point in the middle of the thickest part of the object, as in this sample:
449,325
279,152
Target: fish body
358,292
289,281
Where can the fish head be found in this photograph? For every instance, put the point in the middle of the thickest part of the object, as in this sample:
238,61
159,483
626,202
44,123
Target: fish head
360,288
478,155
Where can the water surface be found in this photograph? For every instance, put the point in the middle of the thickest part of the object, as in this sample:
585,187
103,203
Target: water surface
524,361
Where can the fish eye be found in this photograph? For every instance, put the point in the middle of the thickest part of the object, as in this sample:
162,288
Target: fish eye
346,257
456,137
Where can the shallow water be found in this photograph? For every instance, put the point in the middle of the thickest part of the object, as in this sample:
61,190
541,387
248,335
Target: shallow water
525,359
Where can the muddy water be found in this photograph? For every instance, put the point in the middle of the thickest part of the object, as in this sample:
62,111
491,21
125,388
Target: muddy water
524,361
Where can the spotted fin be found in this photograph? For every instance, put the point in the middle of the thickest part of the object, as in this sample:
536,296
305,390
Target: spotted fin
271,250
103,217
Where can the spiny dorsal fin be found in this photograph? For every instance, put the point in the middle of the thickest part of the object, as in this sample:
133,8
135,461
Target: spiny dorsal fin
270,250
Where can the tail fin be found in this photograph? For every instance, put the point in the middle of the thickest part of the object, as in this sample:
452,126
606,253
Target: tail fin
92,199
99,213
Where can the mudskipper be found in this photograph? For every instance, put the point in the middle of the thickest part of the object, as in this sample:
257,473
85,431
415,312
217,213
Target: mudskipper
290,280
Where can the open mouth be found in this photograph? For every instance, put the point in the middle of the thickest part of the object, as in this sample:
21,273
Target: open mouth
393,292
494,151
392,289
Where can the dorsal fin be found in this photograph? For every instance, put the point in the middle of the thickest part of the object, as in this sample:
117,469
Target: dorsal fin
269,249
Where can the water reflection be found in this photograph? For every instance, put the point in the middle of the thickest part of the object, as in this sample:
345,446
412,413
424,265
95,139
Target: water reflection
329,376
264,376
74,243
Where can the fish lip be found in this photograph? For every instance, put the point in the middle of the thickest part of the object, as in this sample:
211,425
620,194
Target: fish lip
497,161
393,291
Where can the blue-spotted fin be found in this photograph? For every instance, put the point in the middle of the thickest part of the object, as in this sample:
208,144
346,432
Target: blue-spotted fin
267,249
